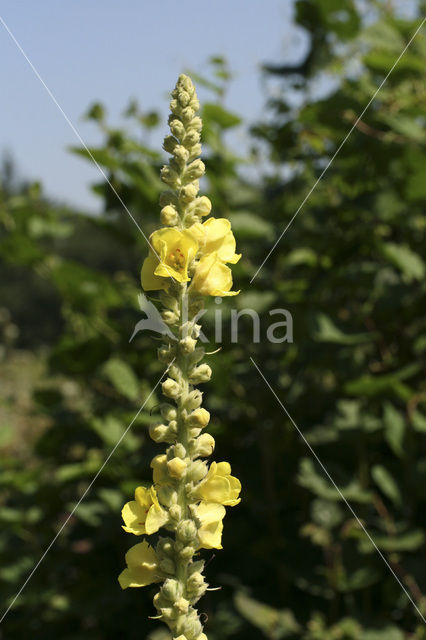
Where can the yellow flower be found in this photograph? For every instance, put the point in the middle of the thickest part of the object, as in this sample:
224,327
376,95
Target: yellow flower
215,236
142,567
212,277
144,514
210,532
173,252
219,486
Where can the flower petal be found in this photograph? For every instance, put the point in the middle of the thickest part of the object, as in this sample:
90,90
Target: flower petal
134,516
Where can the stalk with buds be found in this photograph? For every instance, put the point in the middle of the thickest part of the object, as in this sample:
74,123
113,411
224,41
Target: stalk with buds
188,260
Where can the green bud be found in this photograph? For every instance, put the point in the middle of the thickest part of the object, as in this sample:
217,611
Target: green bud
186,531
187,552
197,470
166,353
181,154
170,143
179,450
167,566
188,193
171,388
195,170
161,433
171,589
195,124
170,176
181,606
201,206
177,128
169,216
187,345
170,317
187,115
193,400
168,411
175,512
200,374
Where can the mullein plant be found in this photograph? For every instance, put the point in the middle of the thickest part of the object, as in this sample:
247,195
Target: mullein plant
187,261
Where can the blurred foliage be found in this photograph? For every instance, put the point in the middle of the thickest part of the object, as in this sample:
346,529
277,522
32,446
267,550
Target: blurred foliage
350,269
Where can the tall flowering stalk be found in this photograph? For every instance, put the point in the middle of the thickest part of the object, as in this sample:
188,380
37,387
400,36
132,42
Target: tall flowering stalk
187,261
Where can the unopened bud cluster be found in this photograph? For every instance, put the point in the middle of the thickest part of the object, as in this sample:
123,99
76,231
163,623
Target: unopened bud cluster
180,205
188,497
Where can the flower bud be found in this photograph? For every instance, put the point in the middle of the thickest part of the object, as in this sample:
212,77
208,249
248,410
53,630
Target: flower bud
202,206
169,216
167,565
169,317
165,546
196,124
170,176
205,445
197,470
181,606
170,143
168,411
175,512
161,433
187,114
188,193
183,98
195,151
166,353
192,626
199,418
176,468
194,171
179,450
187,344
191,138
186,531
171,589
177,128
181,154
187,552
200,374
193,400
170,388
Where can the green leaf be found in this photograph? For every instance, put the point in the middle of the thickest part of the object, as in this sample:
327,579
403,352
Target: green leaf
394,424
386,484
386,633
324,330
372,385
407,261
122,377
249,225
218,115
274,623
418,421
321,486
404,542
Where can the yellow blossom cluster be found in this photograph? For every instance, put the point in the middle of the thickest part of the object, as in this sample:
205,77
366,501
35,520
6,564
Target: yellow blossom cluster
182,511
205,249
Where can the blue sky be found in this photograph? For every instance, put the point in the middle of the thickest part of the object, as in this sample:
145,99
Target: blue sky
109,52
